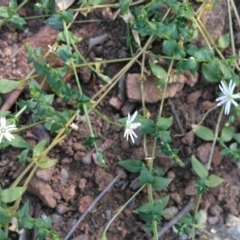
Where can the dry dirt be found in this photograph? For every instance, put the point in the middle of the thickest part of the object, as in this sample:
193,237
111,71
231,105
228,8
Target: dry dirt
66,190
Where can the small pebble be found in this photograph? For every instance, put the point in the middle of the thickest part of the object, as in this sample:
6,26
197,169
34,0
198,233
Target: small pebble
56,218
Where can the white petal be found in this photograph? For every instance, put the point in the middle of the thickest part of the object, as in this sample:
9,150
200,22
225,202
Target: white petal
227,107
234,103
132,138
222,98
134,116
3,121
224,89
9,136
231,86
1,137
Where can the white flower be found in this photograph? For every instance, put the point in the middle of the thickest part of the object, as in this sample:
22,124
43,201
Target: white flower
130,126
5,130
227,97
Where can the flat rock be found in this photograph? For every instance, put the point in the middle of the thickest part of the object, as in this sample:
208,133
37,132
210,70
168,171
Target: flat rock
46,36
69,193
190,189
116,103
45,174
214,22
84,203
203,152
152,94
43,191
102,178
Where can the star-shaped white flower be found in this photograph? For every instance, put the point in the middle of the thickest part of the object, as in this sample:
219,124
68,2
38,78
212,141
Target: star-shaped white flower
130,126
5,130
227,97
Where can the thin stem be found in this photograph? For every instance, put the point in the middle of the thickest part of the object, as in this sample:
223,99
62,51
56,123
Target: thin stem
199,198
104,237
215,138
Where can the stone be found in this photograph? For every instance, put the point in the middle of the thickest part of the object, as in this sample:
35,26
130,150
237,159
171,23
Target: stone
170,212
151,93
85,74
116,103
43,191
207,105
69,193
77,146
203,152
193,97
45,174
214,22
7,51
82,183
190,189
188,138
102,178
84,203
176,197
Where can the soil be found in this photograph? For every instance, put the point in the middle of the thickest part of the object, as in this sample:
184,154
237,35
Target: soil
64,191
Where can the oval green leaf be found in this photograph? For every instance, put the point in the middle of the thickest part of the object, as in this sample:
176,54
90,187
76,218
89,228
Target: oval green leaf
47,163
12,194
134,166
198,167
8,85
213,181
203,132
159,183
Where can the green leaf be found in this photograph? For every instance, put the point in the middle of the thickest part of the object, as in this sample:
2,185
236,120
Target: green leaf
203,54
8,85
169,47
90,140
12,194
211,71
187,65
131,165
47,163
124,5
55,21
198,167
236,136
19,142
159,183
17,21
223,41
38,149
3,235
213,181
164,123
158,71
191,49
203,132
96,2
227,134
4,12
67,16
73,39
145,175
226,70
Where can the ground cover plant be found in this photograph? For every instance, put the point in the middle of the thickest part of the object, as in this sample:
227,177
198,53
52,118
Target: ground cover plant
90,106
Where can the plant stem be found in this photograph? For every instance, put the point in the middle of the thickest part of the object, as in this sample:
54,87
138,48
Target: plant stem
119,211
215,138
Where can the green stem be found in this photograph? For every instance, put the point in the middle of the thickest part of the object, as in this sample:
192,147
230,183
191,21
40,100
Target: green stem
215,138
199,198
119,211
